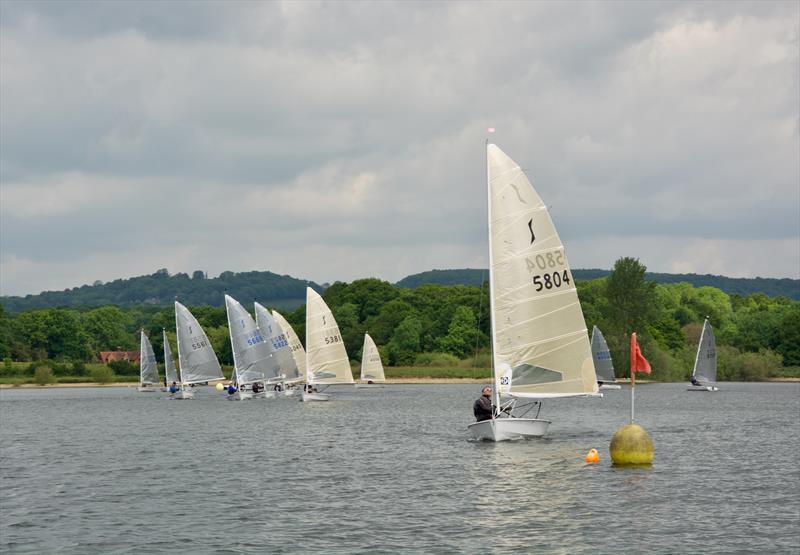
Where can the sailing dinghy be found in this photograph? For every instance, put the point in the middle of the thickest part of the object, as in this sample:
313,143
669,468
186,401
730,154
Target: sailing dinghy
372,375
169,364
540,345
295,346
704,374
326,358
196,358
253,361
603,365
281,350
148,368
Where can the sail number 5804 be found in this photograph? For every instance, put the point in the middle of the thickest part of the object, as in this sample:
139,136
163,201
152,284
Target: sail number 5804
549,281
545,261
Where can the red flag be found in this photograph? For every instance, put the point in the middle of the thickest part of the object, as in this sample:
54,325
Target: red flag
638,362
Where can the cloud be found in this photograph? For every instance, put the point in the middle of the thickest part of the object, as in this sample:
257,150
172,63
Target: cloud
336,140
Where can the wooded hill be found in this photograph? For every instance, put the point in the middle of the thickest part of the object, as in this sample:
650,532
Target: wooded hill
288,293
771,287
162,289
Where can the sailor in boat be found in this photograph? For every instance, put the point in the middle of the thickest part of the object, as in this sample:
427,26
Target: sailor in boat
231,389
695,382
483,409
257,387
173,389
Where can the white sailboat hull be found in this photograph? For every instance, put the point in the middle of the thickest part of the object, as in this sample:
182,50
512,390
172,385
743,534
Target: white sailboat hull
146,389
182,394
369,386
504,429
289,392
311,397
609,386
702,388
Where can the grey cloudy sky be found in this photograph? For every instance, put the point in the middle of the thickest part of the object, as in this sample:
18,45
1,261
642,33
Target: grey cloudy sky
342,140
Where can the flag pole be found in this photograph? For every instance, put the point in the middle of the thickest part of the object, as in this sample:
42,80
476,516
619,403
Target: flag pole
633,385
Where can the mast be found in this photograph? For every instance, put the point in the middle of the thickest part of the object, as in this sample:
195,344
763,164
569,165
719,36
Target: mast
495,389
141,357
230,335
178,339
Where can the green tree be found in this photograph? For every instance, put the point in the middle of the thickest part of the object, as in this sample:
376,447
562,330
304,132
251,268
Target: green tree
405,342
108,328
462,335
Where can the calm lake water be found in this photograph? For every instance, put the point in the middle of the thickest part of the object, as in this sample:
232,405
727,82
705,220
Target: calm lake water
392,471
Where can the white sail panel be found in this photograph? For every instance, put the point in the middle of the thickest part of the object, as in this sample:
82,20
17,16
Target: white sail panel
371,364
705,363
148,368
603,364
169,364
253,358
279,343
326,357
295,346
196,358
539,329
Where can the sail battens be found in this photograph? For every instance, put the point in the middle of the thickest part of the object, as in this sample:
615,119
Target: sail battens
510,293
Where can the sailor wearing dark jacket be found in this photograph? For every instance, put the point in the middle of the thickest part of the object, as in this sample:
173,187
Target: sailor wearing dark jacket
482,409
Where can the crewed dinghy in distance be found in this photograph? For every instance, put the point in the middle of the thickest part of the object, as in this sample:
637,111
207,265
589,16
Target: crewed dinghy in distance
326,358
169,365
372,375
281,350
148,368
253,360
196,358
704,375
540,346
603,365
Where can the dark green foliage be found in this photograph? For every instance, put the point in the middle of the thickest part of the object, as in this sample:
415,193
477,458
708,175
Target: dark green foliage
771,287
160,288
124,367
437,324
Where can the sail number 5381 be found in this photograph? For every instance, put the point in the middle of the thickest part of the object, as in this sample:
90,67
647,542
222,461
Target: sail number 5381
549,281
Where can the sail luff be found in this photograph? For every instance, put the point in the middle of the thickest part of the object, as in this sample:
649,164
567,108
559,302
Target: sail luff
169,364
500,382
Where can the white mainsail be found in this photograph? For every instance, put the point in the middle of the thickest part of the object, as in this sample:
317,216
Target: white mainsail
326,357
295,346
371,364
603,364
196,358
280,344
169,364
705,363
253,359
148,368
539,332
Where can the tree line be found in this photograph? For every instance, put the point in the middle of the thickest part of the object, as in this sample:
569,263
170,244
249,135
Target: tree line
757,336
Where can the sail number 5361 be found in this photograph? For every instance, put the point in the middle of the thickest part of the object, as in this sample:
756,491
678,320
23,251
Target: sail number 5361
549,281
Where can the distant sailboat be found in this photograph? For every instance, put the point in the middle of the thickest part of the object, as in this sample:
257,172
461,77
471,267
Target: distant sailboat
196,358
148,368
372,375
169,364
540,345
603,365
704,374
326,358
253,360
281,349
295,346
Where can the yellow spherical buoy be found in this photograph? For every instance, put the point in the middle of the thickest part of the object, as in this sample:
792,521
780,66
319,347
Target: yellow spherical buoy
592,456
631,445
220,387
